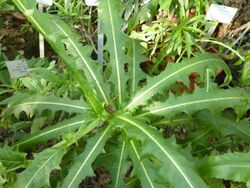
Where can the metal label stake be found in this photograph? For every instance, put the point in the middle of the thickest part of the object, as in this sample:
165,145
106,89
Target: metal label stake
41,4
41,38
219,14
100,36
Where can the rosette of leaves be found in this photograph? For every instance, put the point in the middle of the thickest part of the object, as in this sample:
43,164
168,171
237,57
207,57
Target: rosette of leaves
110,125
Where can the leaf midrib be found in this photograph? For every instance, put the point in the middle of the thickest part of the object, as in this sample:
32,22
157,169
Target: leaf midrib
230,165
120,165
141,163
50,103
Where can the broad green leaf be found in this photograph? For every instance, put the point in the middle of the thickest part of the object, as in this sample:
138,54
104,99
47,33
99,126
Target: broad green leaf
114,160
116,39
82,166
83,60
54,131
178,72
226,124
145,172
245,75
175,168
10,158
3,180
30,103
56,33
230,166
215,100
47,75
38,172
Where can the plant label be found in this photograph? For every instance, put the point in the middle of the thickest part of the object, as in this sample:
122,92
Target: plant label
219,13
17,68
45,2
91,2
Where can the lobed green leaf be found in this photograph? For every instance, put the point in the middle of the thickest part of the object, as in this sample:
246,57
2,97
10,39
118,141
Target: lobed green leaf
230,166
30,103
38,172
174,167
52,132
82,166
178,72
116,39
215,100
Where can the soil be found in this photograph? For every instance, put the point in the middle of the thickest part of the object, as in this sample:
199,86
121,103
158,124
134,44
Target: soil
25,38
101,179
3,134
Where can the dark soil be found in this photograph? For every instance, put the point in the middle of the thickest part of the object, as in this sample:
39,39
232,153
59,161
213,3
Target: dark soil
101,179
3,134
17,37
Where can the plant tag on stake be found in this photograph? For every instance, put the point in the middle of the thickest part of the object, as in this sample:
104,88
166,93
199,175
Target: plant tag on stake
91,2
41,39
17,68
45,2
219,13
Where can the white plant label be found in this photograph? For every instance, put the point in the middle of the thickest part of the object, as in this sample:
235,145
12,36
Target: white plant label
18,68
91,2
45,2
219,13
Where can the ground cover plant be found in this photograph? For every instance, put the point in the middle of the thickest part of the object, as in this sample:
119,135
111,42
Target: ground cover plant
118,119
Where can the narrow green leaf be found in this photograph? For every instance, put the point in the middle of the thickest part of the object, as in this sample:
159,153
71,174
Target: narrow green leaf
54,131
3,179
83,163
188,41
84,62
147,175
230,166
114,159
56,34
136,74
38,172
216,101
174,167
245,75
47,75
112,24
10,158
30,103
179,72
227,125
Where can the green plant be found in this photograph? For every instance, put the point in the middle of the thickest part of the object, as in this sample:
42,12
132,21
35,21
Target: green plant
116,129
172,32
6,6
